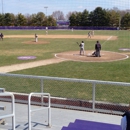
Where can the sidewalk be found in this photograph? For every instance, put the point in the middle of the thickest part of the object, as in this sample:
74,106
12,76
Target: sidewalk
59,117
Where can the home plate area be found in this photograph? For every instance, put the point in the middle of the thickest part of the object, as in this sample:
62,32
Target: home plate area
90,125
106,56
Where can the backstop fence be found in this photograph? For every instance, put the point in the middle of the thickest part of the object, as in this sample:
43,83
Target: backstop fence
68,93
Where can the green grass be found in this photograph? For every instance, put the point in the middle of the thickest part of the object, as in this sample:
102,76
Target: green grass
117,71
11,48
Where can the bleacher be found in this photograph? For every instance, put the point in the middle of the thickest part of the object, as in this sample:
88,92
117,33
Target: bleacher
76,124
90,125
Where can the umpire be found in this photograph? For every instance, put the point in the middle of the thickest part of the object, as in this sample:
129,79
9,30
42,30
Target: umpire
97,49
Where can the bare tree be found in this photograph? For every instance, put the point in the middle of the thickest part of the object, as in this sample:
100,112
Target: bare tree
58,15
68,15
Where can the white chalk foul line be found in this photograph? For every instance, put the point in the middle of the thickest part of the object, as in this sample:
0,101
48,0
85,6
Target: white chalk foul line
107,39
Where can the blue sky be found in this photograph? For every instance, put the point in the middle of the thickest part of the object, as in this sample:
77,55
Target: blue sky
35,6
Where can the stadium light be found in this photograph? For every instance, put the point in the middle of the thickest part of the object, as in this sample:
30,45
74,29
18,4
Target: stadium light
2,5
46,9
46,13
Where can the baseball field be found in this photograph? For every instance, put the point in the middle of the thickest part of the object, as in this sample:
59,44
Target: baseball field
113,65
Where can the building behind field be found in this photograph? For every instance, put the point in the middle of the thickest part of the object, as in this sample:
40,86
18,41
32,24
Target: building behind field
63,23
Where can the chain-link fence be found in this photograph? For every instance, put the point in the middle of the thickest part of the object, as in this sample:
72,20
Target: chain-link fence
80,94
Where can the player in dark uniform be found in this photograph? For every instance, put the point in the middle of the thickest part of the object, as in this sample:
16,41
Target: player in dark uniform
97,49
1,36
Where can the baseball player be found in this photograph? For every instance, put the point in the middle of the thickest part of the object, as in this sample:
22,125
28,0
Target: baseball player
81,45
89,34
92,33
46,30
94,53
36,38
97,48
1,36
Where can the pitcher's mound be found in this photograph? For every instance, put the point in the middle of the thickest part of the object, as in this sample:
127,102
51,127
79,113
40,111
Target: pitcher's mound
106,56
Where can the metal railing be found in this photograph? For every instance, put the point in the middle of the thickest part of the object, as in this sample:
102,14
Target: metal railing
81,94
13,108
38,109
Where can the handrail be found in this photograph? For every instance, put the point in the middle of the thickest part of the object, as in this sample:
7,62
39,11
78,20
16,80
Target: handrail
29,108
13,109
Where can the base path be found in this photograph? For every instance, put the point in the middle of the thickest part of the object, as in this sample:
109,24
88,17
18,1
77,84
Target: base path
28,65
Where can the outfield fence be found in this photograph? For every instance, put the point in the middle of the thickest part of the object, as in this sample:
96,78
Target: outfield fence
68,93
56,27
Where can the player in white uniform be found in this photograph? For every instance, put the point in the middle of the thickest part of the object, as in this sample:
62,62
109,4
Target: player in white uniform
36,38
81,48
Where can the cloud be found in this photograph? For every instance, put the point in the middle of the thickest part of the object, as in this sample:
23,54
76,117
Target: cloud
80,7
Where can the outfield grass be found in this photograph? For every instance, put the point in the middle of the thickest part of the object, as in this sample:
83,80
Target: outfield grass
117,71
57,32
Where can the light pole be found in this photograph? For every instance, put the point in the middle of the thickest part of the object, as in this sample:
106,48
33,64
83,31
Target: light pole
46,10
119,22
2,5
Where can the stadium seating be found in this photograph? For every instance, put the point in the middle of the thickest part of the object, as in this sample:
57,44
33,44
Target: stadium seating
90,125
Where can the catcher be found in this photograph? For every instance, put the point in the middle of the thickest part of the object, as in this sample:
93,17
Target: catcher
94,53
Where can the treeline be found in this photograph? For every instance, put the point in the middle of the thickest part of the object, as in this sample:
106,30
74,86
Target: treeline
101,17
39,19
98,17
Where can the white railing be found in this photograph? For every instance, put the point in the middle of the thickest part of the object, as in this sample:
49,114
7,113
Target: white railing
41,108
13,109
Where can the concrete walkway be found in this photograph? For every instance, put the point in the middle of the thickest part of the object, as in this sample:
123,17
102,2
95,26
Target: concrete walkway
16,67
59,117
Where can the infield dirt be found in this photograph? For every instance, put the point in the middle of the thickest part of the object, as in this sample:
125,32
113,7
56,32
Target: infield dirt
96,37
